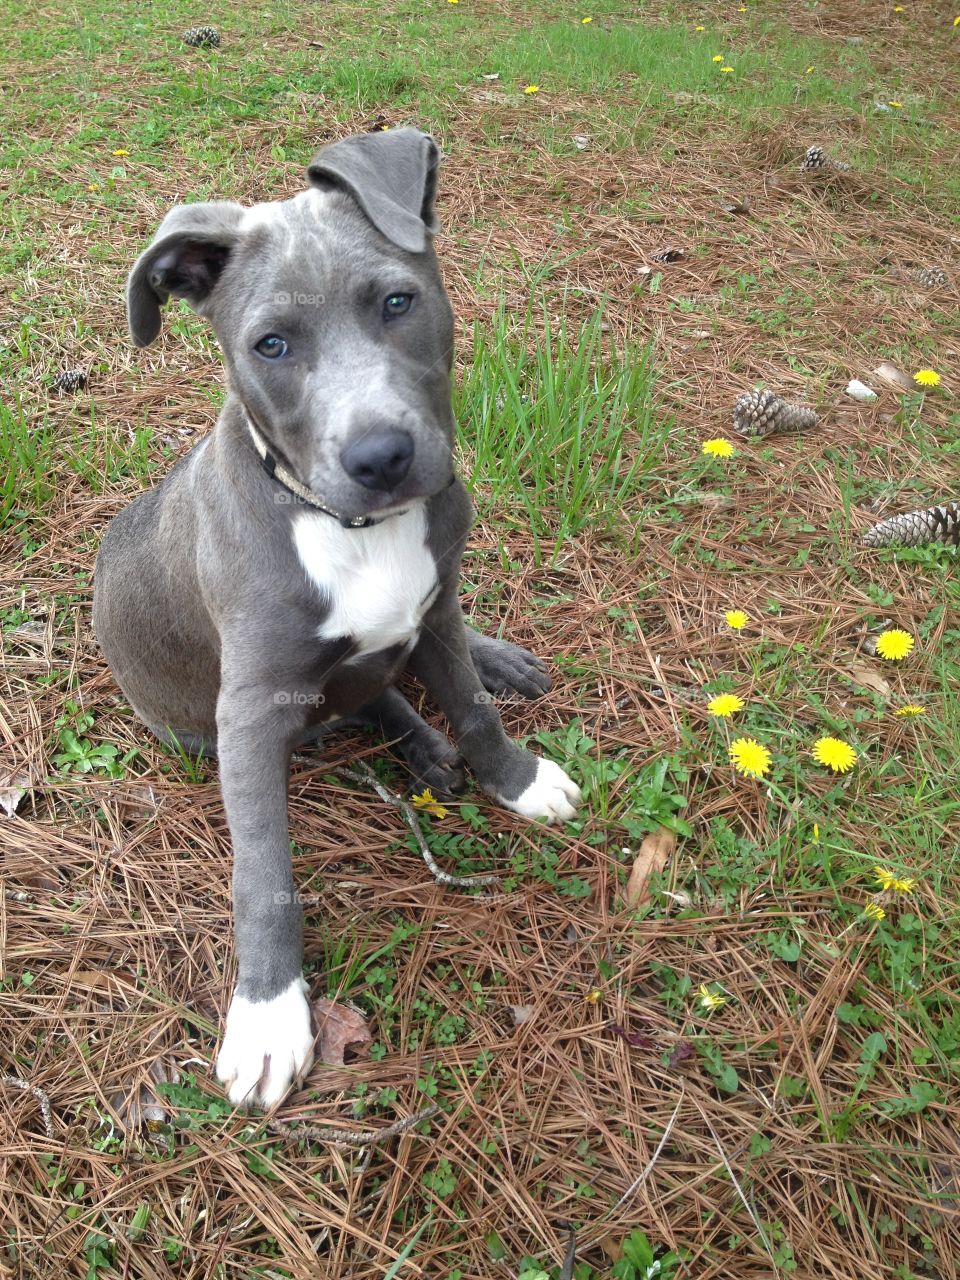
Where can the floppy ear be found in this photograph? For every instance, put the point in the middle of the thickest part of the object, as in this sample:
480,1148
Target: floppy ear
185,260
392,175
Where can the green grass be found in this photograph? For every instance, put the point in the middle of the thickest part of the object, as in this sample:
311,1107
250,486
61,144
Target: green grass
560,433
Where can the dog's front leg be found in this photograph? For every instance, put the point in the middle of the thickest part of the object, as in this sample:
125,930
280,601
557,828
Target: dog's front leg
268,1042
521,781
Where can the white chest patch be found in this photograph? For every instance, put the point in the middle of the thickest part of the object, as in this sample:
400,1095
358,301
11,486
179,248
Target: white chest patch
379,582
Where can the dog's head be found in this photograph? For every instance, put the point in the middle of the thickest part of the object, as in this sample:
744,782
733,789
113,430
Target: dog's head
332,317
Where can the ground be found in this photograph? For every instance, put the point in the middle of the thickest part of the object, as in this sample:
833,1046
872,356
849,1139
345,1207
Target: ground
742,1065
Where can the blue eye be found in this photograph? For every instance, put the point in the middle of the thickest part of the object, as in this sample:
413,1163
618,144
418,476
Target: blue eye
271,347
398,304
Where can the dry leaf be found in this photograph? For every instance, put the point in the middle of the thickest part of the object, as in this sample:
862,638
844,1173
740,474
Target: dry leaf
140,1104
491,75
736,206
12,792
580,140
893,377
520,1013
655,853
865,676
339,1028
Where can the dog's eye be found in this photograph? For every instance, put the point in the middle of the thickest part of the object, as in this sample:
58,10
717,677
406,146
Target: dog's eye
398,304
271,347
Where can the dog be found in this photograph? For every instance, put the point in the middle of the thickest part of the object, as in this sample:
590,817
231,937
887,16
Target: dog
306,553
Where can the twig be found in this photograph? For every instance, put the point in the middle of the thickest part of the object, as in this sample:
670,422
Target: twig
349,1137
16,1083
570,1257
367,775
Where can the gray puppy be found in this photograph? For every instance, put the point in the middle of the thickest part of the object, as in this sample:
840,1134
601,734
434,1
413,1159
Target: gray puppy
306,553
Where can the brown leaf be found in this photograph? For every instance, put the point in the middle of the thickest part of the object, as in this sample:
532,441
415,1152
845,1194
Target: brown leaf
339,1028
520,1013
865,676
893,377
655,852
139,1103
736,206
12,792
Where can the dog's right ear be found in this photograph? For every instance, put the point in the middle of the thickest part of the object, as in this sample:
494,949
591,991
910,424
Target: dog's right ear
185,260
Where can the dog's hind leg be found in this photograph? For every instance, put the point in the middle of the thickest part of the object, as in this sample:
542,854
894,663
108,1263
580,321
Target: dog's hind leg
433,759
506,668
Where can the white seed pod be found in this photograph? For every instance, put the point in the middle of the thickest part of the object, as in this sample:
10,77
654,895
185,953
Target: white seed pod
860,391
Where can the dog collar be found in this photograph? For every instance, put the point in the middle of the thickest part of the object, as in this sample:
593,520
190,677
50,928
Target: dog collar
276,471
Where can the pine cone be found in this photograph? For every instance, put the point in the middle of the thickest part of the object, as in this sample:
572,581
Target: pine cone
817,158
69,380
202,37
764,414
916,528
930,277
669,253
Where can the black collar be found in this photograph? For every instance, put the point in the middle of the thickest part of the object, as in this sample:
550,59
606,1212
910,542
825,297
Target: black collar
276,471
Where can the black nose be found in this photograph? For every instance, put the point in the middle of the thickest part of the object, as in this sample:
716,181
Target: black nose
379,459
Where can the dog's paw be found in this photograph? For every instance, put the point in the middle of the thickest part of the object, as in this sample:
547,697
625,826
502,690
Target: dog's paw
435,763
552,796
267,1045
506,668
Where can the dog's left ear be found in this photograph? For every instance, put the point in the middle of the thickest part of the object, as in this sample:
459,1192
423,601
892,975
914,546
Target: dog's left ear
392,175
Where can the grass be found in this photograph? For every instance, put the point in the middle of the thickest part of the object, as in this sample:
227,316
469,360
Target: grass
801,1128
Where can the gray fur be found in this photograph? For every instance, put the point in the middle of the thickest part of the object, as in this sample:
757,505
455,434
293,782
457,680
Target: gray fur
201,605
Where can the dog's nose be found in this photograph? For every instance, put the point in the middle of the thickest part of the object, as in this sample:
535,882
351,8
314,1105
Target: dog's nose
379,459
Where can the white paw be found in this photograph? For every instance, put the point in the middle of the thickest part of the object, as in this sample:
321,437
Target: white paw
550,797
267,1044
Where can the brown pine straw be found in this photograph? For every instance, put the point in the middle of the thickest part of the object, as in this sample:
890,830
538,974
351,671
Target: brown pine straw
117,893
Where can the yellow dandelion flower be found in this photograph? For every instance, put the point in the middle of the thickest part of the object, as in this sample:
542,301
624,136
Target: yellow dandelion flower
718,448
718,57
724,704
749,758
956,21
585,21
428,802
874,911
594,996
894,644
808,71
893,103
927,378
121,151
910,709
93,186
709,999
726,71
893,883
835,754
699,28
898,8
453,1
736,619
532,88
